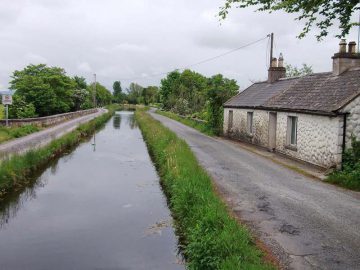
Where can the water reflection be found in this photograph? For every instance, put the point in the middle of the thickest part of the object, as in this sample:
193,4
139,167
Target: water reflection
92,210
132,121
117,121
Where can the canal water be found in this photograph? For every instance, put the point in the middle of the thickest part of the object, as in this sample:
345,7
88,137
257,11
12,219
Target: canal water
99,207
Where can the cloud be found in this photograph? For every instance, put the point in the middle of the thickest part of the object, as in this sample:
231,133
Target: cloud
84,67
121,39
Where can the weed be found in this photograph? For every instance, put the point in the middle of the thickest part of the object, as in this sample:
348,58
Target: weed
210,238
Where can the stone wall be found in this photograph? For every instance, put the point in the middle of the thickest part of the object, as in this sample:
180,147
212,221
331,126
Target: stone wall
239,130
353,120
48,120
319,138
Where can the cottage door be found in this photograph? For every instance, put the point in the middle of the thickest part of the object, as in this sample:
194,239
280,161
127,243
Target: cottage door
272,130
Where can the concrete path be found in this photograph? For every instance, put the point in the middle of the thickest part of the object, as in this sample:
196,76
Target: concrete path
306,223
45,136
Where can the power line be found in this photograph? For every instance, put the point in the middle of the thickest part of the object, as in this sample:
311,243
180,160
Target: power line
200,62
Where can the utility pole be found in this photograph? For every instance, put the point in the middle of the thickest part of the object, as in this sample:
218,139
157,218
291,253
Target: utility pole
95,105
271,47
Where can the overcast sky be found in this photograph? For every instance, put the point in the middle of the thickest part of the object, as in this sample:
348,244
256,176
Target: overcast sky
121,39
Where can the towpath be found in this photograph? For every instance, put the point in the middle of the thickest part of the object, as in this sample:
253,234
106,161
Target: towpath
45,136
307,224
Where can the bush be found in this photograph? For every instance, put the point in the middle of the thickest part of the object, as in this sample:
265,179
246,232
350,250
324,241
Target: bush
349,176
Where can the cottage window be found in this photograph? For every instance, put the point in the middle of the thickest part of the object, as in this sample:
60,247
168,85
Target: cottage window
250,116
292,130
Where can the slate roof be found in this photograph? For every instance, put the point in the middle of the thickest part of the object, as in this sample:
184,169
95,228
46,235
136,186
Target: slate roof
318,93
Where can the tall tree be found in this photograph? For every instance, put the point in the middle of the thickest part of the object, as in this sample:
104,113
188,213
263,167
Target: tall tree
49,89
220,90
293,71
103,95
117,93
320,13
135,92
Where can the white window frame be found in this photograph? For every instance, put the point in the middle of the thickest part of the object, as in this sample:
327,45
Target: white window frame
292,126
250,122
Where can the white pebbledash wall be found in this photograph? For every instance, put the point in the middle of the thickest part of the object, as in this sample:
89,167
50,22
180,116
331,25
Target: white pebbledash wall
319,138
353,120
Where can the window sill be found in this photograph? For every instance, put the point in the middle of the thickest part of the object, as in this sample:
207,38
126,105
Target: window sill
291,147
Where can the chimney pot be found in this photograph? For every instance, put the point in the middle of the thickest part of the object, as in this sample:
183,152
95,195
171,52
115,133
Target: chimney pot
342,46
352,47
274,62
281,60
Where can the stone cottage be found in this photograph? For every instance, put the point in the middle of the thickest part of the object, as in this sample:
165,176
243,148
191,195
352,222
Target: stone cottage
310,118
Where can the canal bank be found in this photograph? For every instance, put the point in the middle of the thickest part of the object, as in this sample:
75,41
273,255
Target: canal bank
210,237
98,207
16,168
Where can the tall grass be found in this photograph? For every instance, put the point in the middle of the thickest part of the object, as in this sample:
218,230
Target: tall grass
200,126
210,238
15,171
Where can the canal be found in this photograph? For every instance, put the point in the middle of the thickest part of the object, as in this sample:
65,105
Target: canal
98,207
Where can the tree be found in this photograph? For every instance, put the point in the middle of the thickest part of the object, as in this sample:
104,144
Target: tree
135,92
21,109
168,87
220,90
80,93
118,97
103,95
150,94
49,89
323,14
293,71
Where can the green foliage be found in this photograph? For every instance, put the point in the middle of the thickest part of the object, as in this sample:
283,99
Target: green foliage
349,176
321,14
49,89
190,93
80,94
150,95
210,237
21,109
201,126
293,71
2,111
103,95
220,90
135,94
118,96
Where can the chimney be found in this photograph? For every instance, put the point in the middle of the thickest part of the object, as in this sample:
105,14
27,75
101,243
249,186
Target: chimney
345,60
277,70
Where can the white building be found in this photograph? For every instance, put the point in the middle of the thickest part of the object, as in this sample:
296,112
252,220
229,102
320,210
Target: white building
310,118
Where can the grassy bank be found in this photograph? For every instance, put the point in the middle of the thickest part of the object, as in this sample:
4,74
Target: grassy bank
210,238
202,127
9,133
15,171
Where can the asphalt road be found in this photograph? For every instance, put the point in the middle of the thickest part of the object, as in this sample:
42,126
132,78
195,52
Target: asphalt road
45,136
306,224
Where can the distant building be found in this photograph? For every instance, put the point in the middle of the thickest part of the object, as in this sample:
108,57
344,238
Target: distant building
310,118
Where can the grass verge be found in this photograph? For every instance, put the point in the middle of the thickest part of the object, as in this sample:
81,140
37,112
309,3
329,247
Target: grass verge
210,237
202,127
9,133
15,171
348,178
